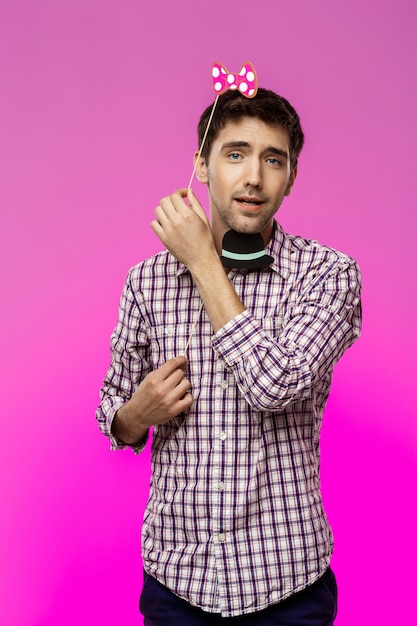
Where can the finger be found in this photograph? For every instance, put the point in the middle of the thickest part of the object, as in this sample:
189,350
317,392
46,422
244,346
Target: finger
179,399
167,203
162,216
195,205
184,402
176,363
178,201
166,216
171,211
158,230
176,378
181,389
182,192
182,405
165,209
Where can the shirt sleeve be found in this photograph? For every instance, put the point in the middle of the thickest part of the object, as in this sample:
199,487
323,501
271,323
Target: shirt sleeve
272,372
129,365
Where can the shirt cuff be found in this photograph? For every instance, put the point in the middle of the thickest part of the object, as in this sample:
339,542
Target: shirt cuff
238,337
115,442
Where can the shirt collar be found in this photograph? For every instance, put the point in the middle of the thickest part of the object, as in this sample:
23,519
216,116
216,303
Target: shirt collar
280,249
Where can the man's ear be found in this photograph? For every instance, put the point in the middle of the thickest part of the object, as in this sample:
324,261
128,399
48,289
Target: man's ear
201,168
293,176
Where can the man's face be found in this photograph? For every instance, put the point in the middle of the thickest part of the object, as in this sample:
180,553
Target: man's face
248,175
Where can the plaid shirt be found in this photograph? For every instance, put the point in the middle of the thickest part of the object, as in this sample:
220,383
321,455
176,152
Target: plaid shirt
235,520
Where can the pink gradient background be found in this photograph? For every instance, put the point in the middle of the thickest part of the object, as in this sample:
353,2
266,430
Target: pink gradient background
99,102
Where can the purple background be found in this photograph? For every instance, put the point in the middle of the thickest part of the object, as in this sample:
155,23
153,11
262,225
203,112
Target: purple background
98,108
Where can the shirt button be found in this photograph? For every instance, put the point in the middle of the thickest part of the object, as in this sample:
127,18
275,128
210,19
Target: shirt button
222,436
224,384
221,537
168,330
244,388
221,486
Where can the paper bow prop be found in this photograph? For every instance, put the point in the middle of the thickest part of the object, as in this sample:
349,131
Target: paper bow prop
245,81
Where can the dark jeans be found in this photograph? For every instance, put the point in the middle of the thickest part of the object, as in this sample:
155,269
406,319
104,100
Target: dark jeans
315,606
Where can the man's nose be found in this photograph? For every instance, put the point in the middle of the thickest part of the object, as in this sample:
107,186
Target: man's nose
254,173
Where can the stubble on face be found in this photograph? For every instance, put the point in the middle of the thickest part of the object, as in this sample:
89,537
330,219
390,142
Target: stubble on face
247,189
253,220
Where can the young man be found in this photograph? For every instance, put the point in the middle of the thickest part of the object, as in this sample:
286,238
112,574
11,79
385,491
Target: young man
234,530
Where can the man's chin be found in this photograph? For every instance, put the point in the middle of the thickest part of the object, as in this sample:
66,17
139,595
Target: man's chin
255,227
249,227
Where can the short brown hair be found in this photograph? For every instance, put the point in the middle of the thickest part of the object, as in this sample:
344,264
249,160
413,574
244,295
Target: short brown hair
266,106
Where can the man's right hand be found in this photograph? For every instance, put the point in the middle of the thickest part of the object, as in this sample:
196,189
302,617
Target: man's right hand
162,395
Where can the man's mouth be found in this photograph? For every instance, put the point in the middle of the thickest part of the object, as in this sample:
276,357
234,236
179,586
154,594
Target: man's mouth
249,202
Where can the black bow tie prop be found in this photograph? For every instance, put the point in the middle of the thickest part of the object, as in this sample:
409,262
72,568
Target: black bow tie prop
244,251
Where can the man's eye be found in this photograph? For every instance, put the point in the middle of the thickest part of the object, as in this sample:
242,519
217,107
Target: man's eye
273,161
234,156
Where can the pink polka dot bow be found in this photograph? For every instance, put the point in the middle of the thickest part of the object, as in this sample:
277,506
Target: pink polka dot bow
245,81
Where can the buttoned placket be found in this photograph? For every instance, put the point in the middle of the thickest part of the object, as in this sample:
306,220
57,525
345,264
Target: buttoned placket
222,480
219,480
